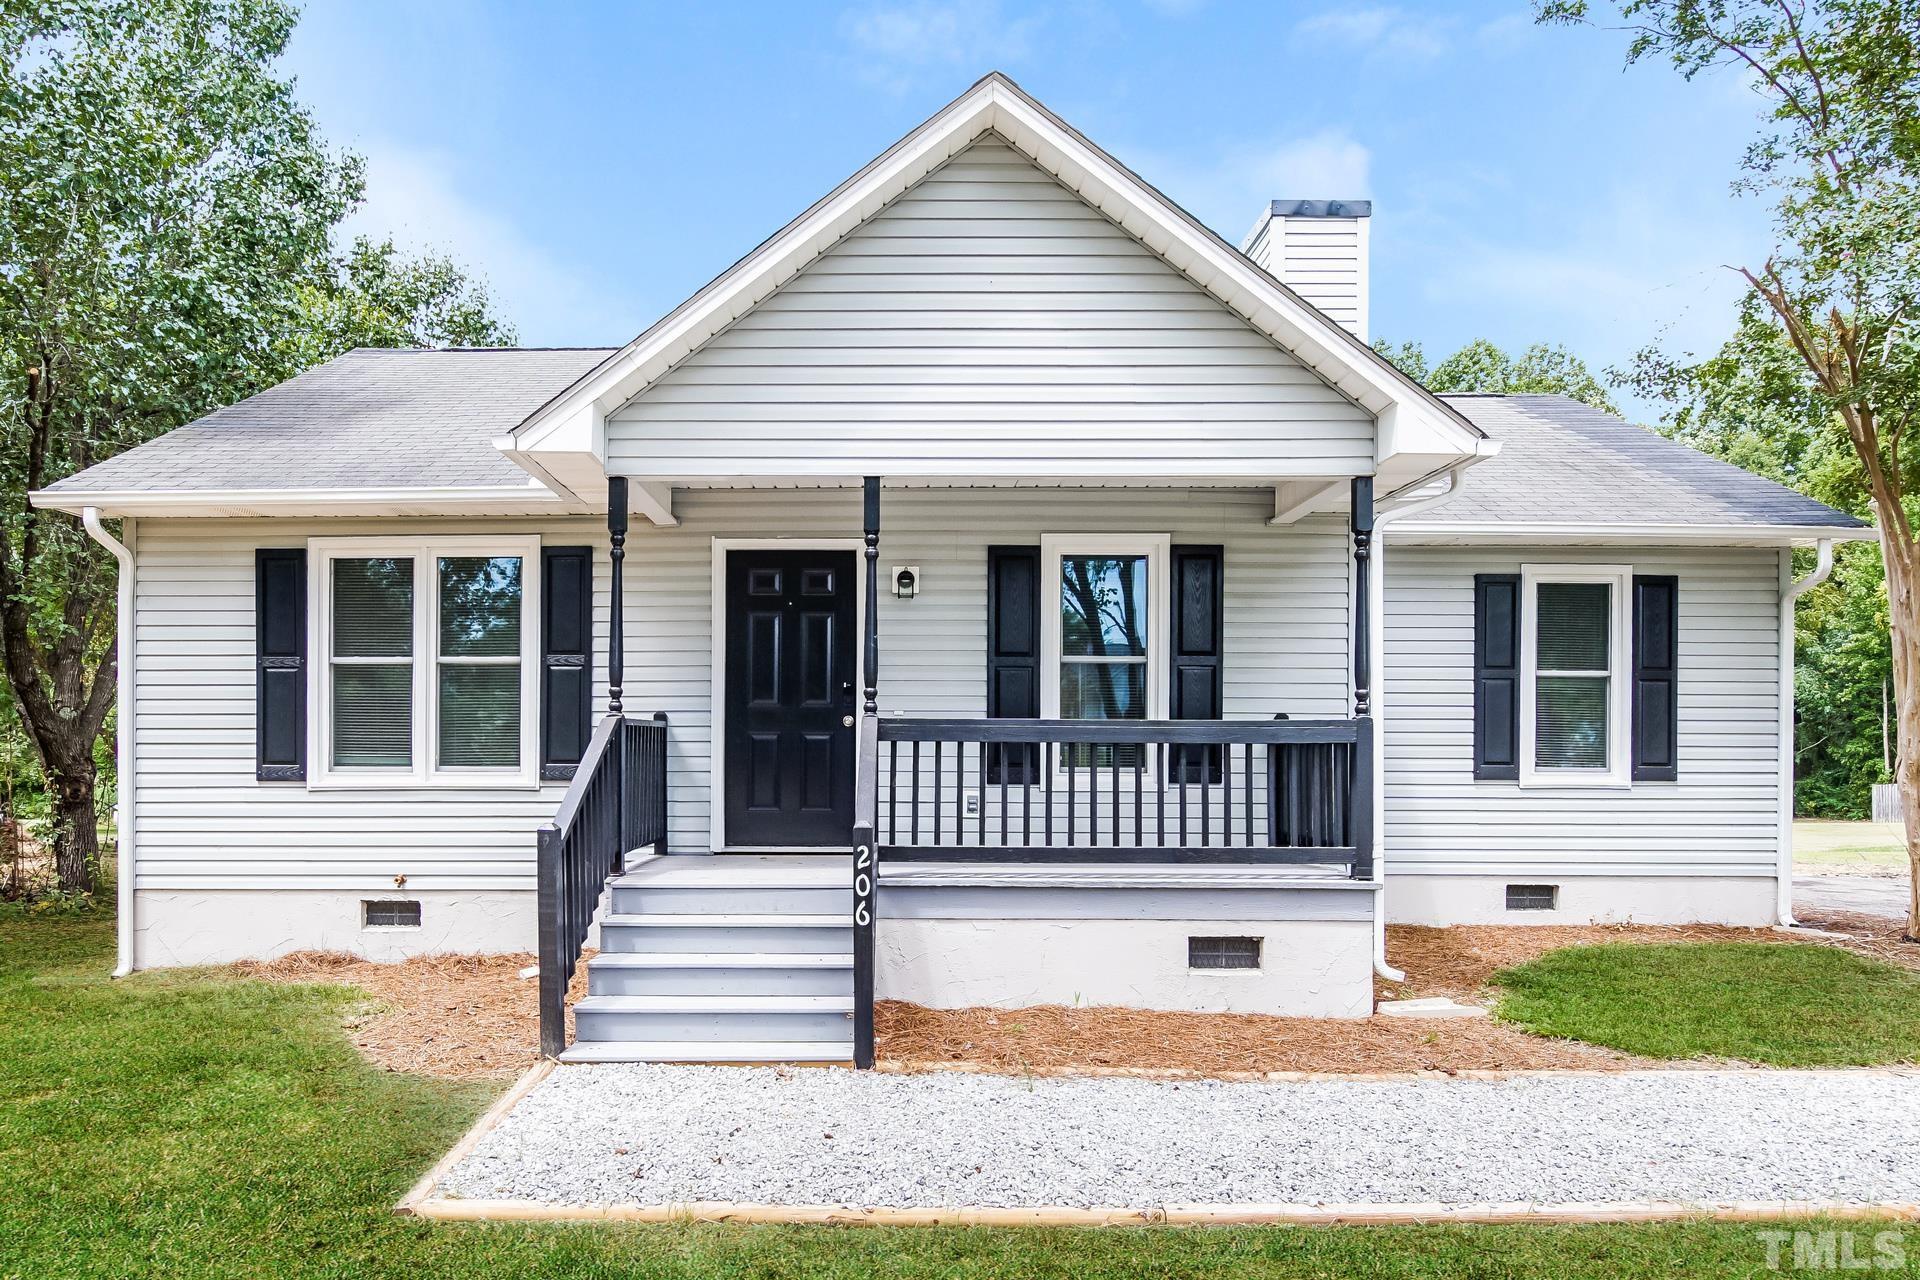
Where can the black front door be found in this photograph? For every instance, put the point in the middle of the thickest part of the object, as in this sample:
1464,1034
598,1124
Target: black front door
789,697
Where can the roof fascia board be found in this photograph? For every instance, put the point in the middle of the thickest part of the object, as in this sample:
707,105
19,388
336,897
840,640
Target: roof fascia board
1511,533
996,104
424,499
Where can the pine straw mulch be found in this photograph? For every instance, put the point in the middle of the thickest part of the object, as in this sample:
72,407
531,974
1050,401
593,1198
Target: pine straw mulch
1458,962
454,1016
467,1017
1050,1038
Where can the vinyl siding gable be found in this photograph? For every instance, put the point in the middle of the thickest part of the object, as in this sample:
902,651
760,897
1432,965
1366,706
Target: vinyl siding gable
989,323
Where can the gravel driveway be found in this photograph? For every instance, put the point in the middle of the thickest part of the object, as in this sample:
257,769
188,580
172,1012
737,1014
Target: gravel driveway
662,1135
1873,895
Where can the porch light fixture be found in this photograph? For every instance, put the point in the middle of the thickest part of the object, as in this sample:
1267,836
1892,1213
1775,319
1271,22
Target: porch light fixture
906,580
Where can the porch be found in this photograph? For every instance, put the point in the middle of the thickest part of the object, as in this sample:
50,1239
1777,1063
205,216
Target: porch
977,833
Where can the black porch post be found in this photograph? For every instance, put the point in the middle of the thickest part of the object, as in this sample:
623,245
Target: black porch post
866,860
616,612
1362,522
872,705
1362,782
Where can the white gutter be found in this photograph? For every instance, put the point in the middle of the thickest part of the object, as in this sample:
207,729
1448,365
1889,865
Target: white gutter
1790,592
123,747
1377,659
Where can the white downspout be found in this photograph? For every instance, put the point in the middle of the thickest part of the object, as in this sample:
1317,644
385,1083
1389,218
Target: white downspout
1790,592
1377,659
123,748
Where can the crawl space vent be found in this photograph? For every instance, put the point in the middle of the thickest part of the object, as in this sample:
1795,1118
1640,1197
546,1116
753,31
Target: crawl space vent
1223,953
395,913
1532,897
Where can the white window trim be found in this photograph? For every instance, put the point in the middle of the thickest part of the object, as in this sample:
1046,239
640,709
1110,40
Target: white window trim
1618,772
1155,547
321,552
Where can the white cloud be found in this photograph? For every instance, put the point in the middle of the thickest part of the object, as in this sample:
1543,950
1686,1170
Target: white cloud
1622,273
1386,30
896,42
1225,190
415,197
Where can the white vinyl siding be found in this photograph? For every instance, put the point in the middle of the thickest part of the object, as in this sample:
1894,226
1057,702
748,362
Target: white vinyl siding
1720,818
989,323
205,823
1324,260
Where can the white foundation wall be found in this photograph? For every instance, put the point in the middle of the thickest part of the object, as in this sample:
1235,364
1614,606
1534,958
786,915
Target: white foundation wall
1309,968
1644,899
218,926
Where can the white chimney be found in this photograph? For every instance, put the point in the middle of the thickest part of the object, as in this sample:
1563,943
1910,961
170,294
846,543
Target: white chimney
1318,248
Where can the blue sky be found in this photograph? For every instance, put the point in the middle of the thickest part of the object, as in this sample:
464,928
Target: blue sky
598,162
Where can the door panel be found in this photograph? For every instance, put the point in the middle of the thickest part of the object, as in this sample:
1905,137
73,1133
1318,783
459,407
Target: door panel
789,677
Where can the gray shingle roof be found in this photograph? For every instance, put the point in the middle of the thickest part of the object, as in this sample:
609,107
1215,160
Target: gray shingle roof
1561,462
401,419
368,419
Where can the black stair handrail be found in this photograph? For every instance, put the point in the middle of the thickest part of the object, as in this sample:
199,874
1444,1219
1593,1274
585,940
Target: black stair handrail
617,802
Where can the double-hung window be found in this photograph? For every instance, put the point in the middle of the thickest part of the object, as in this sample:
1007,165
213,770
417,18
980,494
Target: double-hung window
1575,675
429,663
1103,632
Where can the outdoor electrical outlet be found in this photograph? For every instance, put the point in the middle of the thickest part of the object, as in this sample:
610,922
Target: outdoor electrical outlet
973,804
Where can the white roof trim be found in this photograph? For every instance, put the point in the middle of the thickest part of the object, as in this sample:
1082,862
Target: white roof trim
1516,533
574,422
527,499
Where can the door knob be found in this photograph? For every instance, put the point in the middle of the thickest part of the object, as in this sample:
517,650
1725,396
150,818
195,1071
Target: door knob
846,722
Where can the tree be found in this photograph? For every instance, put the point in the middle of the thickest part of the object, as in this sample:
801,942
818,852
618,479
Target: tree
167,214
1839,155
1750,404
1481,366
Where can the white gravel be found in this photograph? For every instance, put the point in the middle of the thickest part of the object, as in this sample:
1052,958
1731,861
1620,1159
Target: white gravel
597,1135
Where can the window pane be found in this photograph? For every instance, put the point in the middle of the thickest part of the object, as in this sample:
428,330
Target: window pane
1570,722
479,716
1570,623
1103,606
1103,690
373,608
373,715
480,606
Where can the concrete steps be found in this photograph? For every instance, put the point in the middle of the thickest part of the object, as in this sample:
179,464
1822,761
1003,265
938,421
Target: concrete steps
722,958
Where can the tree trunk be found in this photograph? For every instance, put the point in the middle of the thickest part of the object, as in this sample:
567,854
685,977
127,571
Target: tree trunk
1903,601
76,830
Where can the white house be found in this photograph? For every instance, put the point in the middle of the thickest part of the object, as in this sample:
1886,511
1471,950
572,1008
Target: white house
993,589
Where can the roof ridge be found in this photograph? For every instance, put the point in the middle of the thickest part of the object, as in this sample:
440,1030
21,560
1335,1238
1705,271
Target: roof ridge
421,351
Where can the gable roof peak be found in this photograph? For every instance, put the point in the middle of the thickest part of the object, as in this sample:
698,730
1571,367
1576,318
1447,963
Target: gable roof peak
563,441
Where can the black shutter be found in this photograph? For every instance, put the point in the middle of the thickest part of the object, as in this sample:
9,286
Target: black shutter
1496,675
566,658
280,647
1195,683
1013,651
1656,679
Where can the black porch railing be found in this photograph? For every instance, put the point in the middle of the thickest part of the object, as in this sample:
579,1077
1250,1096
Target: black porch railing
616,803
1280,791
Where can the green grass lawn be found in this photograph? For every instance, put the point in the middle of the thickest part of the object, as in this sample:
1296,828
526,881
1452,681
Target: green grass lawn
1787,1005
193,1125
1822,845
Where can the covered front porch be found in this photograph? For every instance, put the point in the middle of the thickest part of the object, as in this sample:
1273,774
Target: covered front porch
968,825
